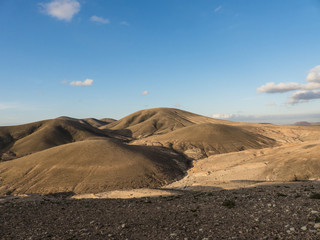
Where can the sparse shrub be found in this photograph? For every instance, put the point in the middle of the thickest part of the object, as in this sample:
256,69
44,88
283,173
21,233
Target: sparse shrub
281,195
229,203
8,193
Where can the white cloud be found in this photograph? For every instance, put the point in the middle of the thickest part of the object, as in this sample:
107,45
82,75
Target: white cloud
99,20
314,75
61,9
224,116
307,91
218,9
144,93
271,87
87,82
311,86
304,96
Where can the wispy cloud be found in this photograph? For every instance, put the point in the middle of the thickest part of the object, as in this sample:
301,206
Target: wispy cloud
217,9
271,118
99,20
306,91
4,106
271,104
124,23
61,9
144,93
87,82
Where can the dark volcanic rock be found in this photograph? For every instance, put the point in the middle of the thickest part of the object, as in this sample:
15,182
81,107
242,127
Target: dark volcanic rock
276,212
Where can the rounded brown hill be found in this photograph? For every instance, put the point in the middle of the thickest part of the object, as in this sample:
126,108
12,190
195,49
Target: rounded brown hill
202,140
18,141
157,121
91,166
151,121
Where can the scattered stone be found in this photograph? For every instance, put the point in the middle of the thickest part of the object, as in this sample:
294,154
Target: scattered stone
192,215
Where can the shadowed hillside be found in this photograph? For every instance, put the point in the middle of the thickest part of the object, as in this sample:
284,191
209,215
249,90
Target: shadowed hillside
91,166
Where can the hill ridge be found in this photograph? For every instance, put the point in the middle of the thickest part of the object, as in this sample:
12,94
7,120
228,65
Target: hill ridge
148,148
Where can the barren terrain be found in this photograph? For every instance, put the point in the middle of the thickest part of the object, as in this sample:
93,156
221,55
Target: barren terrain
151,149
180,175
285,211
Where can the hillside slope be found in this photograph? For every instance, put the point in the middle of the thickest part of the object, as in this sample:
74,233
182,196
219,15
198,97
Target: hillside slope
151,148
18,141
91,166
205,139
293,162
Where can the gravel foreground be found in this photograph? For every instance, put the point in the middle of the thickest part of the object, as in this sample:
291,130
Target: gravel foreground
286,211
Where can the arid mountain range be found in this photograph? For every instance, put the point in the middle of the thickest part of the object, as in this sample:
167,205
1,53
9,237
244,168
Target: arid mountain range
150,149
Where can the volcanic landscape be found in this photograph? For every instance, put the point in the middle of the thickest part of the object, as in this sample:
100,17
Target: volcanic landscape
159,174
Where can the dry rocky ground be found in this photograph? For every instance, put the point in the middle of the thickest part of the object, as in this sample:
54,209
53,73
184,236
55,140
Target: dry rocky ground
285,211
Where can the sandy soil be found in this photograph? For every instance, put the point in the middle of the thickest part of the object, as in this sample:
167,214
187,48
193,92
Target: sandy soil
125,194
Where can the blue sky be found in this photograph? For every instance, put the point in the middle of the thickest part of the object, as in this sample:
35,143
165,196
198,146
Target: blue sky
239,60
